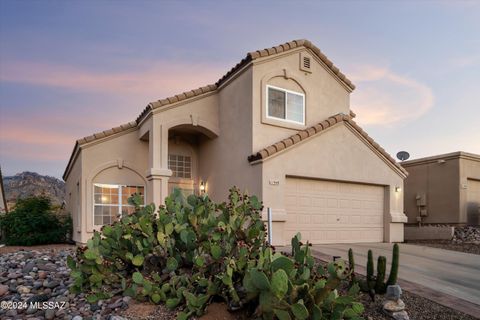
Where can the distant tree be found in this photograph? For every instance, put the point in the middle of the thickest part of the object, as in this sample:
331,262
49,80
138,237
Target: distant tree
33,222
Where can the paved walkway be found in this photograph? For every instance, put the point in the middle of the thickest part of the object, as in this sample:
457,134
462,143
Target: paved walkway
450,272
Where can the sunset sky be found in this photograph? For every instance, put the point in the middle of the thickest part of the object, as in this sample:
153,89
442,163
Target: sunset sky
69,69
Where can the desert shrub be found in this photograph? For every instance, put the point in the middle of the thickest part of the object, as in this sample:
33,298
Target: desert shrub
32,222
193,250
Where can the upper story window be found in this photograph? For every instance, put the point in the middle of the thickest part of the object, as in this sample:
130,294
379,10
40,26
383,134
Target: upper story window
111,201
181,166
285,105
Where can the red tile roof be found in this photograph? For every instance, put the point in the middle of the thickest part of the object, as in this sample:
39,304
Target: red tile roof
317,129
295,44
250,57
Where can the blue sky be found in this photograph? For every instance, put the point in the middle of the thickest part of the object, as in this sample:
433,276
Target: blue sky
71,68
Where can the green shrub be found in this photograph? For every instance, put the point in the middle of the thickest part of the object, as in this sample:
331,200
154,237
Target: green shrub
32,222
193,250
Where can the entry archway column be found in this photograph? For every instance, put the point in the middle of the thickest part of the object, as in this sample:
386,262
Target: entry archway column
158,174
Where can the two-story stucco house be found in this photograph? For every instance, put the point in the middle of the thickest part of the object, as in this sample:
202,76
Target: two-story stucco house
277,125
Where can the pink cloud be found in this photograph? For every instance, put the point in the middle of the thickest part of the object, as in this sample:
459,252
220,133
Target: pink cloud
51,137
35,139
36,153
155,81
386,98
34,136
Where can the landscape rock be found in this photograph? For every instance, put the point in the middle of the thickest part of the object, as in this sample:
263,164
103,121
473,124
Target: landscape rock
3,289
37,284
48,267
51,284
402,315
23,289
20,282
31,310
28,267
14,275
467,234
50,314
393,292
394,306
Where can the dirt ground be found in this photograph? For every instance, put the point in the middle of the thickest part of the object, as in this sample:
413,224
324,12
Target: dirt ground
48,247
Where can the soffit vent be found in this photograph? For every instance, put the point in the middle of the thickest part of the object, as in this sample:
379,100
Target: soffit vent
305,62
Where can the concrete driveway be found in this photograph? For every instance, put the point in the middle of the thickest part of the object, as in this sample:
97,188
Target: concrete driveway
450,272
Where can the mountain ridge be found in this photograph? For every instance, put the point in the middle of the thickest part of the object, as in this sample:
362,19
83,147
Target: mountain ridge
27,184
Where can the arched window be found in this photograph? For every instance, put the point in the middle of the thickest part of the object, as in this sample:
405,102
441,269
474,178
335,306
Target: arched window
111,201
111,189
286,105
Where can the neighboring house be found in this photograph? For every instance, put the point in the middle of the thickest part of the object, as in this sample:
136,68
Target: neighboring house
3,199
277,125
443,189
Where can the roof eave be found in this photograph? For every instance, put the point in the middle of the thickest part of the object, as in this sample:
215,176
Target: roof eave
319,128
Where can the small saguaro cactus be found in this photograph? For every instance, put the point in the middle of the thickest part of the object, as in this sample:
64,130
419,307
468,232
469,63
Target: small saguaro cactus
381,267
351,265
370,270
377,285
392,278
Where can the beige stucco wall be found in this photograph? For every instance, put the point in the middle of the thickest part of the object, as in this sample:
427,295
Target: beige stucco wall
336,154
324,95
231,125
74,204
224,161
469,172
444,180
439,182
120,159
199,115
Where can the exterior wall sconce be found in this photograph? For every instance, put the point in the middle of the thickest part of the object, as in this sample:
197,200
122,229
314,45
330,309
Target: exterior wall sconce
398,189
202,187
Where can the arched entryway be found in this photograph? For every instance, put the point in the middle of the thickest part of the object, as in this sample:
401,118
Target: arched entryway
184,147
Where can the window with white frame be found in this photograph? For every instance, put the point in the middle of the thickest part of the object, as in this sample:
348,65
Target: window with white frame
111,201
181,166
285,105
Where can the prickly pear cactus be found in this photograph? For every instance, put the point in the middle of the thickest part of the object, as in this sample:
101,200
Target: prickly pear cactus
191,250
292,288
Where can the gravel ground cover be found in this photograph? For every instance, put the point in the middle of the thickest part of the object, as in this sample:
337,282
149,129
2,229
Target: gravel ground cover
465,239
418,308
448,245
40,274
34,285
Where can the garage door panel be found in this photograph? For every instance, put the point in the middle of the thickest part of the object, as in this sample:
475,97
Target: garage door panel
318,202
334,212
339,236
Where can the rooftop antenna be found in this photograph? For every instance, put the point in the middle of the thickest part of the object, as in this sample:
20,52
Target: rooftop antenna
403,155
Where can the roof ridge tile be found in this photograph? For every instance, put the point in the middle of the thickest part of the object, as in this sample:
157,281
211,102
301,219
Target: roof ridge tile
315,129
202,90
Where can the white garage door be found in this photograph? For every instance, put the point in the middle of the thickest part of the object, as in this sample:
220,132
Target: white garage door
334,212
473,201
